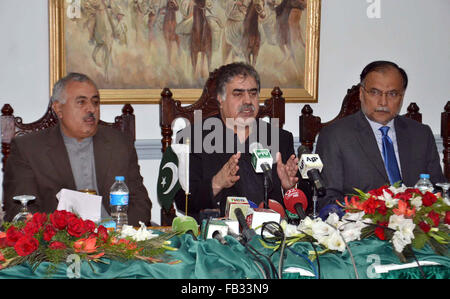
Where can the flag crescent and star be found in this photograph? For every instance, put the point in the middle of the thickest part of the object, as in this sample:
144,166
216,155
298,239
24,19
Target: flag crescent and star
173,174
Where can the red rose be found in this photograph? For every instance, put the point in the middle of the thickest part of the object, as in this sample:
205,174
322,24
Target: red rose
57,245
447,218
435,217
31,228
382,208
102,233
428,199
370,205
2,240
424,226
49,232
39,219
76,227
26,245
59,219
405,196
89,225
12,236
379,191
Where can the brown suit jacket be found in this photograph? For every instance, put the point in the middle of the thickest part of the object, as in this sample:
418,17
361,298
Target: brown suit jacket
39,165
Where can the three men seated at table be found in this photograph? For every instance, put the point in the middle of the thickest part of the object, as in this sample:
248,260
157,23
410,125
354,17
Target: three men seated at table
376,146
76,154
366,150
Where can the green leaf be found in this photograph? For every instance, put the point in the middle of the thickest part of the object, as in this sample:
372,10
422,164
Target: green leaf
419,240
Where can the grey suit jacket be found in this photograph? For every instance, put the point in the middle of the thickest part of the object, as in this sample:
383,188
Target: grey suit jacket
351,157
39,165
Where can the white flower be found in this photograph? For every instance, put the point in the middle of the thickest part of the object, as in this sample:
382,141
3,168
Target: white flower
403,231
354,216
333,220
399,241
395,220
416,201
306,226
400,189
352,231
335,242
141,234
389,201
321,229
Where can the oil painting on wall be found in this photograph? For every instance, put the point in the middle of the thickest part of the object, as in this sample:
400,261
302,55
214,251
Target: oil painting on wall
135,48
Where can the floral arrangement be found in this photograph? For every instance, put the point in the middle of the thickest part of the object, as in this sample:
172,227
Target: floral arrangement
54,237
404,216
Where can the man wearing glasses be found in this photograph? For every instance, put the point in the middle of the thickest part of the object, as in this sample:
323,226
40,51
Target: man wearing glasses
376,146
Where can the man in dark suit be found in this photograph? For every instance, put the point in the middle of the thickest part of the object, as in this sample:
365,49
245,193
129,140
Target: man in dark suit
376,146
76,154
225,168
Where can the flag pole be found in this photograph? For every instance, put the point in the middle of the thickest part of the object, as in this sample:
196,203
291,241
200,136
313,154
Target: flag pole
187,176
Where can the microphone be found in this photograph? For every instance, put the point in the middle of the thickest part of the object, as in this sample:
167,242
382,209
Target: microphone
247,233
185,225
261,159
310,167
295,202
218,236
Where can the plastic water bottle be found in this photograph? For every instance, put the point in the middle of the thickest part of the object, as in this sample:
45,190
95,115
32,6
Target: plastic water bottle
424,184
118,200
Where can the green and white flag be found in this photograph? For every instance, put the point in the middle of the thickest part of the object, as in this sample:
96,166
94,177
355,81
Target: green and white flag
173,174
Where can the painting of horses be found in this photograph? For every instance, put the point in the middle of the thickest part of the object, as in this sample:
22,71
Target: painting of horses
127,45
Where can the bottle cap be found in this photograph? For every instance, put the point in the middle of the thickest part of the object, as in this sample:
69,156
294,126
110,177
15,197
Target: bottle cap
120,178
424,176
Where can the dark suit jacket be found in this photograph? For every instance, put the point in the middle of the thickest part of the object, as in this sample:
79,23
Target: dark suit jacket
203,166
351,157
39,165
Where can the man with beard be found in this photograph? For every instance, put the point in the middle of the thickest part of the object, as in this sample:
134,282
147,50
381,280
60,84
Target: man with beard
220,166
76,154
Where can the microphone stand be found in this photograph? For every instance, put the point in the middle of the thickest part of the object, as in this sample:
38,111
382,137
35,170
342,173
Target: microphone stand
266,190
315,215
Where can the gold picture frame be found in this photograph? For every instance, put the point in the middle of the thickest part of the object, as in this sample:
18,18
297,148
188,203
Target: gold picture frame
308,94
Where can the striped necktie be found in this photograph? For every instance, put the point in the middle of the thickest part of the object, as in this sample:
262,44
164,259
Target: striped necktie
389,157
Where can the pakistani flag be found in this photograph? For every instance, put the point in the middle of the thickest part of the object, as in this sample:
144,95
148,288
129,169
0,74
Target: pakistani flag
173,174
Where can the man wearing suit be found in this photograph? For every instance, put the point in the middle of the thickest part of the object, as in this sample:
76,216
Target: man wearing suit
376,146
76,154
225,169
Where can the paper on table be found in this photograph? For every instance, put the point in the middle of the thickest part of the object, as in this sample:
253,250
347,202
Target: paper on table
85,205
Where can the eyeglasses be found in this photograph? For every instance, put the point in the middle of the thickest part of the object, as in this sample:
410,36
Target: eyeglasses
376,93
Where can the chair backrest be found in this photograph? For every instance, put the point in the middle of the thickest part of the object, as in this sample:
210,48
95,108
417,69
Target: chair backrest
445,134
310,125
170,110
12,126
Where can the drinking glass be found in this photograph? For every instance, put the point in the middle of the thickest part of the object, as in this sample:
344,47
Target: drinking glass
24,214
445,187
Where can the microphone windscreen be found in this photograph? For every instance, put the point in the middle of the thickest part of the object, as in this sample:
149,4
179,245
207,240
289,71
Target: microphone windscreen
276,206
294,196
303,149
182,224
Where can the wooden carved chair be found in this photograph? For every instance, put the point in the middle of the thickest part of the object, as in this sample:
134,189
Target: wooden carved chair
445,134
12,126
170,110
310,125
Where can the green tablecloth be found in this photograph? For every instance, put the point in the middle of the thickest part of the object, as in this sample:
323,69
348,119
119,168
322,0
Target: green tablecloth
211,260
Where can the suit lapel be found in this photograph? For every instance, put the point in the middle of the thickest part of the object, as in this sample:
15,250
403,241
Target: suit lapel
369,144
102,155
57,154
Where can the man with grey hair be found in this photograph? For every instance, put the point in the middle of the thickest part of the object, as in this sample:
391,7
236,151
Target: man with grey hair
76,154
225,168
